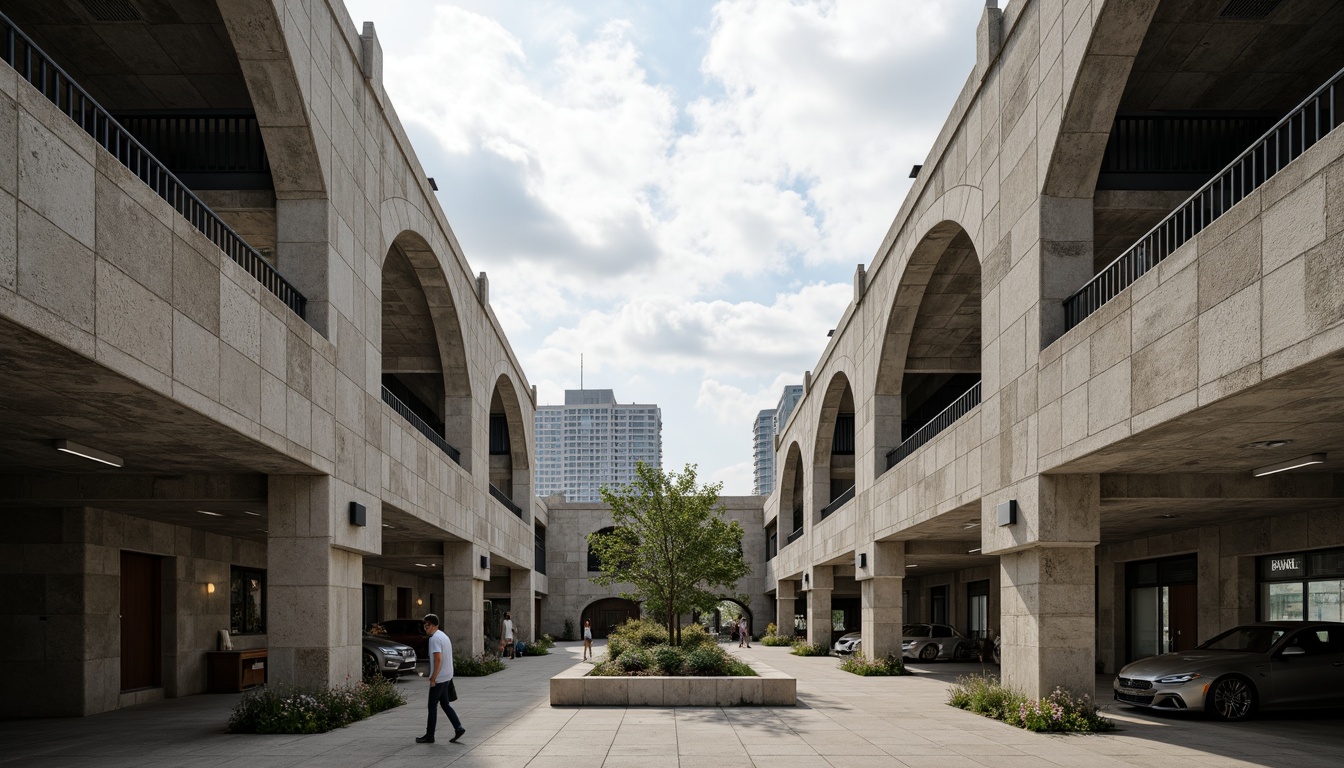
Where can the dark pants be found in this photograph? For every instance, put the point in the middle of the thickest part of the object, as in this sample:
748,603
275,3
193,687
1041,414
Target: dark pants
438,696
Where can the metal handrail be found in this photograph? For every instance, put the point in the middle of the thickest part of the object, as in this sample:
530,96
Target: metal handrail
406,413
945,418
839,502
1294,134
506,501
60,89
793,536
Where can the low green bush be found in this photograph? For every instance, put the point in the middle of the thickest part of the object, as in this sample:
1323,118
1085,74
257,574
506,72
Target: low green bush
568,634
775,641
889,665
801,648
634,660
699,655
534,649
476,666
290,710
669,660
694,636
1060,712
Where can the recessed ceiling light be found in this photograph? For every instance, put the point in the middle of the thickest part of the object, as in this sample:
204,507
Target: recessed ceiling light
421,565
207,512
250,512
1284,466
1268,444
972,551
83,451
1167,516
912,565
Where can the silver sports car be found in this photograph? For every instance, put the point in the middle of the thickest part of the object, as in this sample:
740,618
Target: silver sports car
928,642
1270,664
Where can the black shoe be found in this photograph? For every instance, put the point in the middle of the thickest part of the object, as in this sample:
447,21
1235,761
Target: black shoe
426,740
456,735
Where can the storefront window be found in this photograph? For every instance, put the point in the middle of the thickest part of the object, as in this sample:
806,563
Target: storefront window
1323,600
1283,602
247,592
1302,585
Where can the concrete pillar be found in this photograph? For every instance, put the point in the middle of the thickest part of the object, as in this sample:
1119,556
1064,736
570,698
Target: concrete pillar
464,596
881,610
313,588
521,604
1047,566
785,598
819,585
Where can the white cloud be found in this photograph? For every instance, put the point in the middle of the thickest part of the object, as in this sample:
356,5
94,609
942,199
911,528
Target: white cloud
729,404
738,479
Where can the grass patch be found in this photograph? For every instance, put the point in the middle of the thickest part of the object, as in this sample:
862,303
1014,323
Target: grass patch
801,648
291,710
1060,712
890,665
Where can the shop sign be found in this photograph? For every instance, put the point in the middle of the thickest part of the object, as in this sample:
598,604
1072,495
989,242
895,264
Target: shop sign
1284,566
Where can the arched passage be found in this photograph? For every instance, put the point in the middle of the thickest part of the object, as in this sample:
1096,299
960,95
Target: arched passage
932,349
833,449
722,617
791,485
510,474
424,358
607,614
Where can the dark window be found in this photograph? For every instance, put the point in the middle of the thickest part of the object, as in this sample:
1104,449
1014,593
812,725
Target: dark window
595,564
247,601
842,443
499,434
539,546
771,540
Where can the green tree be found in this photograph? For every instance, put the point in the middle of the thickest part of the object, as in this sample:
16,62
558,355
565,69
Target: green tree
672,543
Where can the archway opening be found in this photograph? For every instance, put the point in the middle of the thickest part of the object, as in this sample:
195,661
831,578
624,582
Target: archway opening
833,471
510,479
791,490
608,613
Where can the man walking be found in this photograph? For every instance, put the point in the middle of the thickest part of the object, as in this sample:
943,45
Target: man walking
440,681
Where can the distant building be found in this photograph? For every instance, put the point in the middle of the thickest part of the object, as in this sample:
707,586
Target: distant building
767,425
763,453
592,441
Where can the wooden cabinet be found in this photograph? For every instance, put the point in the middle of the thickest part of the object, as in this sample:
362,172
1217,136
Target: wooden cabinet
233,671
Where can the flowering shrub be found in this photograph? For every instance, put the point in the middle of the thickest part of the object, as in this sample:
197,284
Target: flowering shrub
772,637
889,665
289,710
476,666
801,648
1060,712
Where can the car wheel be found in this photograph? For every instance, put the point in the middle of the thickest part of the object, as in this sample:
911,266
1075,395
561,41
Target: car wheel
928,652
370,666
1231,699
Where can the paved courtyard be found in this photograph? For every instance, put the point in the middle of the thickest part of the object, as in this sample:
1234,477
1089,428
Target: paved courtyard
841,720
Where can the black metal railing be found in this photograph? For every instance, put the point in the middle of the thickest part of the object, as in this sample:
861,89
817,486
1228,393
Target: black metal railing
1175,150
424,428
949,416
506,501
842,439
839,502
44,74
215,149
793,536
1294,134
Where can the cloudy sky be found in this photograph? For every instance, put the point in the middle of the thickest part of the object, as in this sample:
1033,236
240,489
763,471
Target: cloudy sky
678,190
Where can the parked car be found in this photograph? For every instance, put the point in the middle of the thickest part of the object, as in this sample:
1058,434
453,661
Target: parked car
848,643
929,642
387,657
409,632
1263,665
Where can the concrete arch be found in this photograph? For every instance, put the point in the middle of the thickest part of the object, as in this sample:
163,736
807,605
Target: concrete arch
256,30
421,338
510,467
792,482
1094,96
933,327
833,442
607,613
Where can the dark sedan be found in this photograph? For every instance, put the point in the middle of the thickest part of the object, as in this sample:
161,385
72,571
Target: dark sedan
1270,664
409,632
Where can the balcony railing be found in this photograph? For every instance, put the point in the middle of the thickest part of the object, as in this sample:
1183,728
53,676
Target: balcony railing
215,149
406,413
506,501
839,502
44,75
1297,132
949,416
1175,150
794,536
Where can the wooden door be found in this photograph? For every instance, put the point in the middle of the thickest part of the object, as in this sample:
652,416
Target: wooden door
141,621
1183,616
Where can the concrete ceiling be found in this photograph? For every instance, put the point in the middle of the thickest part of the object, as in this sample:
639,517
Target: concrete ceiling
1193,58
139,54
946,332
410,343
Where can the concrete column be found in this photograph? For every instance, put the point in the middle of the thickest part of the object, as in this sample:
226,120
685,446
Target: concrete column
785,598
464,596
305,257
521,604
819,586
313,588
881,584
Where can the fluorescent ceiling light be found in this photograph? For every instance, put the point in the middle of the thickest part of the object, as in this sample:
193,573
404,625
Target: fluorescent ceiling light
212,514
1284,466
912,565
969,526
92,454
972,551
254,514
421,565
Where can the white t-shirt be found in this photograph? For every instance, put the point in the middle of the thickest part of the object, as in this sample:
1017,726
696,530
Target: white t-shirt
587,633
439,643
508,629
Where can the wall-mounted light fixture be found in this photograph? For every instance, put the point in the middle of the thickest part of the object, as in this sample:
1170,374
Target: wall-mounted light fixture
419,601
359,514
1284,466
210,588
84,451
863,560
1008,512
807,578
485,562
